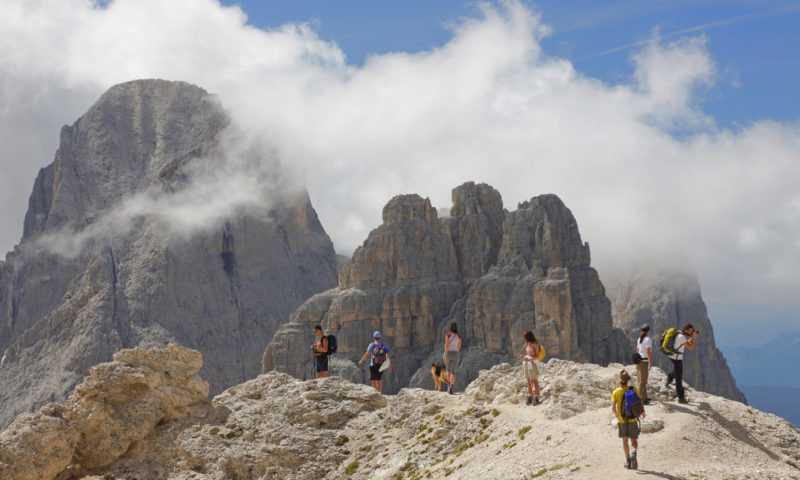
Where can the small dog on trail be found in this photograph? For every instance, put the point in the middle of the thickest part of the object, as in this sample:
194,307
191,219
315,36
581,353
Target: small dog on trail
439,374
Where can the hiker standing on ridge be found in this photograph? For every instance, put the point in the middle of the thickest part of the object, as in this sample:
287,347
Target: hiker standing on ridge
644,347
378,353
320,352
452,347
627,422
685,338
529,367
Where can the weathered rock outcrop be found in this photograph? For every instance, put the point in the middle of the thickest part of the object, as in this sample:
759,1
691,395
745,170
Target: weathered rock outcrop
90,278
665,299
493,272
119,404
275,426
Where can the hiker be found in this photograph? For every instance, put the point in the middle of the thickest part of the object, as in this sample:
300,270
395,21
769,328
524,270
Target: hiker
378,353
628,427
644,347
452,347
684,338
320,348
529,366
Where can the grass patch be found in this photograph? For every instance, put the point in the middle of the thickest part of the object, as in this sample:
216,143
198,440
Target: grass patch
539,473
351,469
214,431
495,412
341,440
522,431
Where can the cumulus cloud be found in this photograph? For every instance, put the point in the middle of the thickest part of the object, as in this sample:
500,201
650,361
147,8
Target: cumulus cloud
645,170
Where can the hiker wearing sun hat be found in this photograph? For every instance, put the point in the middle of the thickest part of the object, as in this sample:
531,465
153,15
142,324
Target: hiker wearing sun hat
379,353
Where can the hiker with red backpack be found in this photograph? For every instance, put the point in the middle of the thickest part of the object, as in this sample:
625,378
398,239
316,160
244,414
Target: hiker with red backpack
627,406
320,348
673,344
379,354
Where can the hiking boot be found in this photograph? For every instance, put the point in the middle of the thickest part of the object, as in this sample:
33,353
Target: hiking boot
627,463
529,401
536,401
646,402
450,389
633,463
683,400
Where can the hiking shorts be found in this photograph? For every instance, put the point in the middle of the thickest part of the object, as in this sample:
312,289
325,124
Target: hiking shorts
322,363
375,372
530,371
451,361
628,429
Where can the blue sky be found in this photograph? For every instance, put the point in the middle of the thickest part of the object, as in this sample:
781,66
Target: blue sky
755,43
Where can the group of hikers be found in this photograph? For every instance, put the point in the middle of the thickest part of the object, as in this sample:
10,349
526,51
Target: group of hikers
627,401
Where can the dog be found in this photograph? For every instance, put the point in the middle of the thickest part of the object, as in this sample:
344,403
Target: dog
439,374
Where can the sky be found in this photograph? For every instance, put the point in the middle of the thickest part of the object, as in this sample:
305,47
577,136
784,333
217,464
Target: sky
671,129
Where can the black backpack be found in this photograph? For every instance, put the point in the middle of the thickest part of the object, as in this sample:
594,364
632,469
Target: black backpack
331,344
378,354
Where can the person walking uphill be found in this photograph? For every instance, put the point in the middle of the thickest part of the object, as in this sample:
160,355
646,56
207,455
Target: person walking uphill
627,422
452,347
683,339
529,367
320,348
378,353
644,347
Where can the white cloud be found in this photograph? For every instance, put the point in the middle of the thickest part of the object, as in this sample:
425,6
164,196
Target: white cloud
488,106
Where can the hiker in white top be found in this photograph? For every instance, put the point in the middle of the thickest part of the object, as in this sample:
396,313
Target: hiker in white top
683,339
452,347
644,347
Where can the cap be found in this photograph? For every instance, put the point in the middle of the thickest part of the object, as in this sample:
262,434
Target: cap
377,334
645,327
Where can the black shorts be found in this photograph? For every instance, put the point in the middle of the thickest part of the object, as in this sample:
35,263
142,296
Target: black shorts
375,372
322,363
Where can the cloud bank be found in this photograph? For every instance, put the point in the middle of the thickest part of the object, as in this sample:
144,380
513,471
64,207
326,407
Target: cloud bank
648,175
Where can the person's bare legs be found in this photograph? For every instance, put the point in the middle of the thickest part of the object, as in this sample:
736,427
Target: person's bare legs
376,384
322,374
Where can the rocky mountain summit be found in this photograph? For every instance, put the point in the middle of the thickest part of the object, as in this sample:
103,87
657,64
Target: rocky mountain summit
496,273
665,299
142,416
99,267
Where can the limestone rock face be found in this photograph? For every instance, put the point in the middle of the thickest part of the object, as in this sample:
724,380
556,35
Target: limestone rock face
87,281
495,273
276,426
118,404
665,299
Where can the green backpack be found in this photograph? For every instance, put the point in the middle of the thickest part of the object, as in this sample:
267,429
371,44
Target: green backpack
667,342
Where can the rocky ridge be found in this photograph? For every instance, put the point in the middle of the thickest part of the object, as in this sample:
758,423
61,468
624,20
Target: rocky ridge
496,273
153,424
81,286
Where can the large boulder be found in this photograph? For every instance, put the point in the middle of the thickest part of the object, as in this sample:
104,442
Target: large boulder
118,404
97,271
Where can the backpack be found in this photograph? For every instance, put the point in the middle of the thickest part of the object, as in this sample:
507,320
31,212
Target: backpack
378,353
633,407
542,352
331,344
667,341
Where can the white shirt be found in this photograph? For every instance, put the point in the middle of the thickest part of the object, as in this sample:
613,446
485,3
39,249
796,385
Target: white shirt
679,346
643,345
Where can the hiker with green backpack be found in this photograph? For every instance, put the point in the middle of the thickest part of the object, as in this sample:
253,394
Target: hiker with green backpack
627,406
673,343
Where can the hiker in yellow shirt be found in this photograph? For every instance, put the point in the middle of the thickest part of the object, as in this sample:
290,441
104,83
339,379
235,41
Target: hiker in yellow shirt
627,420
